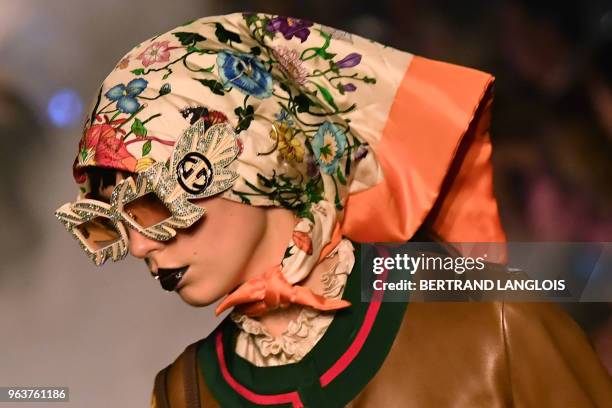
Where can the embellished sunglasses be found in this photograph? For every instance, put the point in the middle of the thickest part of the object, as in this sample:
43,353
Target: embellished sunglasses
156,202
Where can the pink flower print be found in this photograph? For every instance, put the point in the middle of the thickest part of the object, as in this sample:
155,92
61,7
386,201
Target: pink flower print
290,63
159,51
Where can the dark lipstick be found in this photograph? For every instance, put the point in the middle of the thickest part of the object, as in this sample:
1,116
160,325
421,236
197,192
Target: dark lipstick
170,278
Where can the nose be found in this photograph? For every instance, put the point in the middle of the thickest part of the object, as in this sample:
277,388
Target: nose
141,246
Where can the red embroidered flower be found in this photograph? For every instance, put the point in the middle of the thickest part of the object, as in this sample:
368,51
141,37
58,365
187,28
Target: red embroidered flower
78,172
110,151
240,145
213,117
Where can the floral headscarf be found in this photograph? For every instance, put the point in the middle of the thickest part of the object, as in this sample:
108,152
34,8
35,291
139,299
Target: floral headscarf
311,106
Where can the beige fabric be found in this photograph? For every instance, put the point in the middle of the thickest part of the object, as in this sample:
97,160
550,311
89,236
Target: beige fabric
306,101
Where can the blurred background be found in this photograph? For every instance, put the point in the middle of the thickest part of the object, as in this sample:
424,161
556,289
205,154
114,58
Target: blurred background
106,332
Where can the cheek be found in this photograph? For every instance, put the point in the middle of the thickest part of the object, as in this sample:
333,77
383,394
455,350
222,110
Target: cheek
222,246
236,241
232,237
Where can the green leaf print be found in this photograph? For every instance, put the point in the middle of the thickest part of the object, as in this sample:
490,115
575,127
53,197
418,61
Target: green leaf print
146,148
341,178
215,86
226,36
189,38
138,128
327,96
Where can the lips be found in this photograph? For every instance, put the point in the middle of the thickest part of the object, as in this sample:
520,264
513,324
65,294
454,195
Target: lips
170,278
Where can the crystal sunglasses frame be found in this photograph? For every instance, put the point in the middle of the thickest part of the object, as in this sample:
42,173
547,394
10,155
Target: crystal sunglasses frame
213,149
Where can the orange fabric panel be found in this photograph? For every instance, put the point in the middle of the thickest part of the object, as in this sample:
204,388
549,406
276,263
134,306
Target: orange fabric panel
431,113
467,209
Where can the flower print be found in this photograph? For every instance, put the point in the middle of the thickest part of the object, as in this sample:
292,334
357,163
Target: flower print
159,51
195,113
240,145
360,153
312,169
245,72
125,96
290,64
79,174
213,117
165,89
348,87
144,163
290,147
292,151
290,27
109,150
85,157
328,146
209,117
123,64
303,241
351,60
284,116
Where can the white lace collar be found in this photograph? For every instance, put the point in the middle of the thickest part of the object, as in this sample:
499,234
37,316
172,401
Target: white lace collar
259,347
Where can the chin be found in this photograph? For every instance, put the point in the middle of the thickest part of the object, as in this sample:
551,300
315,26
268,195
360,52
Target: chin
197,297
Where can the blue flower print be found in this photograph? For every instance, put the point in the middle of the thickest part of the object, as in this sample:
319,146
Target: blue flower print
245,72
328,145
125,96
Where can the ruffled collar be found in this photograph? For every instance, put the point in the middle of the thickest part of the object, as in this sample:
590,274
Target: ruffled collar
255,344
340,364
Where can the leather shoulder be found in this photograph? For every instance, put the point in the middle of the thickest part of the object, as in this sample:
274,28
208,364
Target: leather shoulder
491,354
448,354
181,384
550,360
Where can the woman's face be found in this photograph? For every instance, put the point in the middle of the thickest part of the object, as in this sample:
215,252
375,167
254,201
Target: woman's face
231,243
216,250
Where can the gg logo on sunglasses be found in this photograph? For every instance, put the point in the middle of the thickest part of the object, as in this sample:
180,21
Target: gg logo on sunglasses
157,201
193,168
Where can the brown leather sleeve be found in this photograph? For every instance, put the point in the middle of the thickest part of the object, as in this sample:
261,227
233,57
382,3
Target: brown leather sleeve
488,355
550,360
181,385
168,391
159,399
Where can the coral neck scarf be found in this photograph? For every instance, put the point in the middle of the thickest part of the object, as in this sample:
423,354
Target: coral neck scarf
272,290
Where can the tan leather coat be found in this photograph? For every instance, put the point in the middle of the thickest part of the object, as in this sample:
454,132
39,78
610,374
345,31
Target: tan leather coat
457,355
